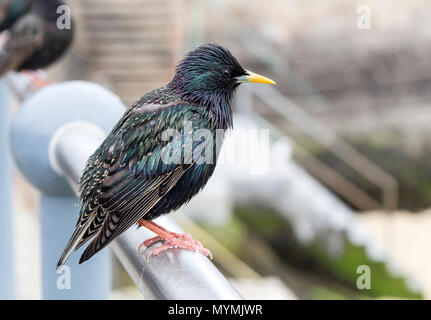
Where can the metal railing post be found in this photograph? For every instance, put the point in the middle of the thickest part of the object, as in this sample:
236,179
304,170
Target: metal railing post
32,129
7,277
67,144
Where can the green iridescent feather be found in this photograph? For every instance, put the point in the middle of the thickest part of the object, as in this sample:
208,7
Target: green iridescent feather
128,177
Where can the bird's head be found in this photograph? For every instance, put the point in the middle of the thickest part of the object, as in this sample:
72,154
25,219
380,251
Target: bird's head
211,73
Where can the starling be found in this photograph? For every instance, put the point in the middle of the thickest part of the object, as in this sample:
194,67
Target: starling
10,10
138,174
32,39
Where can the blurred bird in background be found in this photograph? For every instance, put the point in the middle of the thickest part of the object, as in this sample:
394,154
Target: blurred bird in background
11,10
31,38
128,180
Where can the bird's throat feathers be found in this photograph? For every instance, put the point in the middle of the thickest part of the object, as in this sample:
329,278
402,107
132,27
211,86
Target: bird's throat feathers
216,104
220,111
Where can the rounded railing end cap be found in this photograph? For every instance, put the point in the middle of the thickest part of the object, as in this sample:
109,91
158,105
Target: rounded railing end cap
45,112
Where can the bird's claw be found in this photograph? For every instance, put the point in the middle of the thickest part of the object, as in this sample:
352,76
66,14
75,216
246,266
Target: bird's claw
182,241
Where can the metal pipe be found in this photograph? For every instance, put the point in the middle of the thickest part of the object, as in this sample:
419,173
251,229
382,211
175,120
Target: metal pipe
31,131
7,276
175,274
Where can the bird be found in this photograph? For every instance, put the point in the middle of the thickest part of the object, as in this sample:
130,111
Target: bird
140,171
10,10
31,37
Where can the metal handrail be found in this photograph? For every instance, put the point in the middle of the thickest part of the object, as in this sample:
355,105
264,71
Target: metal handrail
175,274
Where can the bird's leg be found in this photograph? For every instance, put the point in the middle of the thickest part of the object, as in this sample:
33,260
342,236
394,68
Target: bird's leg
38,81
174,240
149,242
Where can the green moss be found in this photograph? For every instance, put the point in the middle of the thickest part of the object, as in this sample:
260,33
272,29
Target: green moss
231,235
343,268
323,293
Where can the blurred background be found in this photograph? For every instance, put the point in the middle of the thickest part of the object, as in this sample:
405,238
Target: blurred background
349,178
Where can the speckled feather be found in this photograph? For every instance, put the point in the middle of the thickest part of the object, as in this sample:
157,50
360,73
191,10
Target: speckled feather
126,180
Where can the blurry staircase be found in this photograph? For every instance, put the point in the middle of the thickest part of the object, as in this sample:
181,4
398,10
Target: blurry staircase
131,45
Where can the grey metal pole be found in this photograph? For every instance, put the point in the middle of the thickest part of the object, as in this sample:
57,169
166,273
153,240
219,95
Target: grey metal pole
7,289
32,130
176,274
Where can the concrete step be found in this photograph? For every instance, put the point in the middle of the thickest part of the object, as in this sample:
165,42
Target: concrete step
117,62
137,4
127,13
145,38
153,48
122,26
131,43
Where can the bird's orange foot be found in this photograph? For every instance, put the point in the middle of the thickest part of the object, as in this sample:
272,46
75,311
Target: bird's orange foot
173,240
37,81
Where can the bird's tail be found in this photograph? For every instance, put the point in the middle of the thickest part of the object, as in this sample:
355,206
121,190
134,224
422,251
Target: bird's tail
72,245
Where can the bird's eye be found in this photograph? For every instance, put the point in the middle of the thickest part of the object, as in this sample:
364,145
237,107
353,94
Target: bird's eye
226,73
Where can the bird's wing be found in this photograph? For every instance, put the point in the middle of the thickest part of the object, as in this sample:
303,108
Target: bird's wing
128,174
23,39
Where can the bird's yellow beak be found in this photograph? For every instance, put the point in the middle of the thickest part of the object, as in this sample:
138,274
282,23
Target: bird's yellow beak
254,77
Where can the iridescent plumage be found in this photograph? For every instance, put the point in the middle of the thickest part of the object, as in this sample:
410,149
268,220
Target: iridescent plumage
128,179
